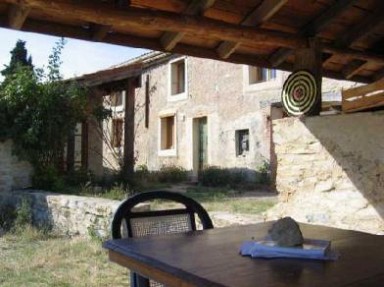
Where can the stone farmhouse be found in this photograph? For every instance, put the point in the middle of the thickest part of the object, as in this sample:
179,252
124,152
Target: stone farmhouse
188,112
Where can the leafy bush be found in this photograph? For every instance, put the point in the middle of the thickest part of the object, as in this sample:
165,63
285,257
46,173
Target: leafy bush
38,110
23,214
15,217
263,173
7,216
214,176
172,174
47,178
79,177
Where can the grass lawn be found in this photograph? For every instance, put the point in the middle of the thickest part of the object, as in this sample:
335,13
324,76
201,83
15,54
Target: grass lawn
30,258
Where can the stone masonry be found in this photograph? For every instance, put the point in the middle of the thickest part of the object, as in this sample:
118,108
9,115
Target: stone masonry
14,174
330,170
67,214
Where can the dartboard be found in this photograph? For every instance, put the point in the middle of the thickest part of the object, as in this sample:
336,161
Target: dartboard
299,93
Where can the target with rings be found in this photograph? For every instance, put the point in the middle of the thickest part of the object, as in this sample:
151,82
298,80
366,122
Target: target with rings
299,93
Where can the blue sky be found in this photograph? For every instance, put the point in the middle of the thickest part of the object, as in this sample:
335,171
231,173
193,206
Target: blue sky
79,57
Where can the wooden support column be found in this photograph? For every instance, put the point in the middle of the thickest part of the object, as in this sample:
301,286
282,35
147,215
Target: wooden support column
310,59
129,129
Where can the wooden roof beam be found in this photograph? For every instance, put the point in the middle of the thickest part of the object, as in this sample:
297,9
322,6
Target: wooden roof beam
260,14
98,32
133,18
356,33
313,28
379,75
353,68
153,44
170,39
368,25
17,15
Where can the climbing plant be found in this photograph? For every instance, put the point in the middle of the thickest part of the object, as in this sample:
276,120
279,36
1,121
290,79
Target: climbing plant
39,110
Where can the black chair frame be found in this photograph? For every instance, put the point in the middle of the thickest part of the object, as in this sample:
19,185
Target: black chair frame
125,212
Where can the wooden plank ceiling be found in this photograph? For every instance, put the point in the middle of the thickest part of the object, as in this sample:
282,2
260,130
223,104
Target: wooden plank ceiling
254,32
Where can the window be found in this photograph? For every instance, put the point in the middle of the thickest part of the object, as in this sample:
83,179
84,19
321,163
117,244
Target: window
259,75
167,137
178,77
117,132
117,99
242,142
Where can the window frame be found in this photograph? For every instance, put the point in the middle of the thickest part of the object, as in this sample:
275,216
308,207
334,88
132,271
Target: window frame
113,130
118,108
167,151
181,95
273,83
239,134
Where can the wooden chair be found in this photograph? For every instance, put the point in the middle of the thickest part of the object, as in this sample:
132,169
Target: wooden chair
155,222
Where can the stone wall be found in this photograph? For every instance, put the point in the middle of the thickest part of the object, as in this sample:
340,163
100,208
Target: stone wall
67,214
14,174
330,170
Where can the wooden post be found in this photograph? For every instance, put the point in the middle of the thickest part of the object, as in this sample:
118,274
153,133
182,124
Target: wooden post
310,59
129,129
71,151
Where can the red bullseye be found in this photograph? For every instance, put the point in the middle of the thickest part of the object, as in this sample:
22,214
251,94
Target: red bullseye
298,94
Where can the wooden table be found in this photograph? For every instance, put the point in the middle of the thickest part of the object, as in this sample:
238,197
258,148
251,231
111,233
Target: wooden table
211,258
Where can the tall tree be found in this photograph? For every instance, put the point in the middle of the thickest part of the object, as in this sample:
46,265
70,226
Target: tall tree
19,58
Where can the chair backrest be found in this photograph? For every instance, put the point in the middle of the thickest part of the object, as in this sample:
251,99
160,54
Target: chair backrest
140,223
155,222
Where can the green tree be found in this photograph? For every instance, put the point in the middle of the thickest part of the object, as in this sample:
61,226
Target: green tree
38,111
19,57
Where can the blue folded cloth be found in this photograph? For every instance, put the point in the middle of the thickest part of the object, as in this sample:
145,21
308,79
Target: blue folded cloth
311,249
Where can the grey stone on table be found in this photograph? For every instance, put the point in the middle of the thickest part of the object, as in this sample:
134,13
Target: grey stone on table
286,232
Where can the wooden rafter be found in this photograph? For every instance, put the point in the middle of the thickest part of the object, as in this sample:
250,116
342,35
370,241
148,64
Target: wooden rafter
313,28
355,34
17,15
133,18
170,39
369,24
379,75
153,44
260,14
98,32
353,68
355,54
186,28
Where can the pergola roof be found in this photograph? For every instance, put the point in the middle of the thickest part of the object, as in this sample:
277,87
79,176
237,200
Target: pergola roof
255,32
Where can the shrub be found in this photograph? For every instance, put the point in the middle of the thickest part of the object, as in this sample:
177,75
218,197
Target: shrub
263,173
15,217
7,216
214,176
23,214
47,178
79,177
172,174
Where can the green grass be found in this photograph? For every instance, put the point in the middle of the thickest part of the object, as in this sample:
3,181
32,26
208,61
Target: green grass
224,200
29,258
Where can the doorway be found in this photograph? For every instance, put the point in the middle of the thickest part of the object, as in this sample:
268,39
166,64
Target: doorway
200,144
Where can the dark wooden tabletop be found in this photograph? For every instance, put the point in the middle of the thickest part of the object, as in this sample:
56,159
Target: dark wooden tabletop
211,258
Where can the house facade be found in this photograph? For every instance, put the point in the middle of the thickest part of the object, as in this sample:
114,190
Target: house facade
192,113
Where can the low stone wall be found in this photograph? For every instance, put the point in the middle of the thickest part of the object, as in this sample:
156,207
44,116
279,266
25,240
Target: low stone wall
330,170
67,214
14,174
